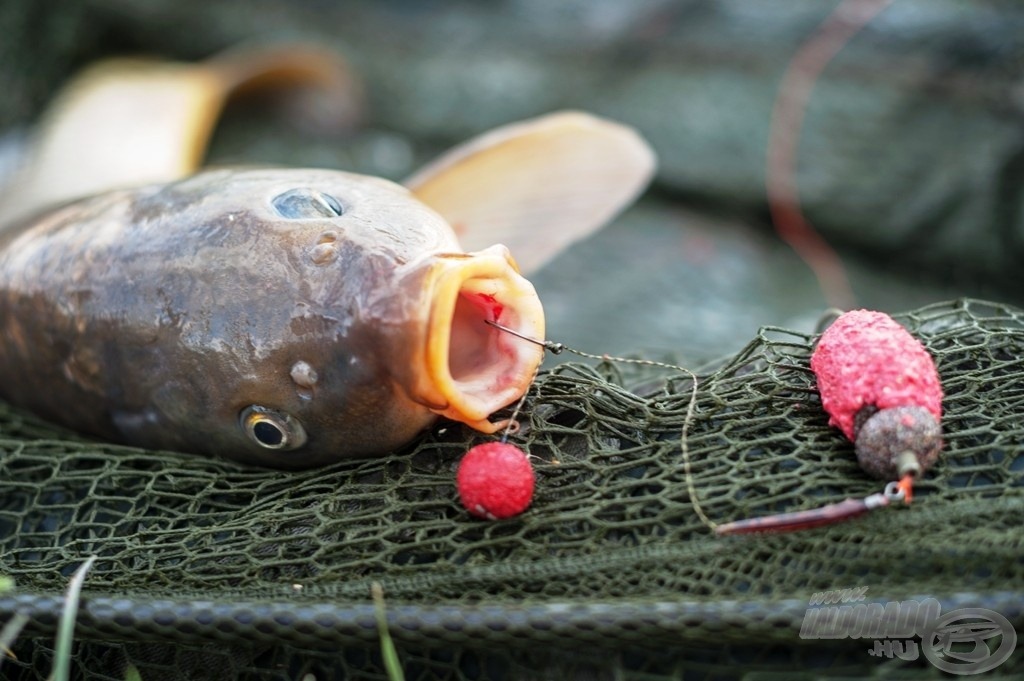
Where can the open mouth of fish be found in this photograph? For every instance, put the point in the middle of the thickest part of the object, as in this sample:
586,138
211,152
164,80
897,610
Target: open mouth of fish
474,368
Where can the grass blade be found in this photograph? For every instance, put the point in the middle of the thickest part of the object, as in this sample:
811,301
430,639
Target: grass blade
9,633
387,647
66,631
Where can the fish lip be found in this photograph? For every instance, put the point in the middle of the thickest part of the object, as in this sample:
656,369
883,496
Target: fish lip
474,369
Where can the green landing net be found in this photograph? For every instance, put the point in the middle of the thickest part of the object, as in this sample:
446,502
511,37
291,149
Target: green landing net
209,570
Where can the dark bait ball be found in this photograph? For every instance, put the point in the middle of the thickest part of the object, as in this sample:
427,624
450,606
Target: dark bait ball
898,441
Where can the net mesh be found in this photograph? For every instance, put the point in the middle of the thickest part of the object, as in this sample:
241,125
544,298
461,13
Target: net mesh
207,569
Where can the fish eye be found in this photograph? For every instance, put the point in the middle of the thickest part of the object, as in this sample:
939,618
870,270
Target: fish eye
271,429
304,203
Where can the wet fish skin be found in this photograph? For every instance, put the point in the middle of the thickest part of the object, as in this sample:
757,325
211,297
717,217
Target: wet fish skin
156,316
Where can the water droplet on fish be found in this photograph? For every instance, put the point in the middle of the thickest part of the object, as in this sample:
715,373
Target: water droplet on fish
305,377
323,254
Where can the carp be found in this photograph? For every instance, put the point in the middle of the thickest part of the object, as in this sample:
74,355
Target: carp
291,317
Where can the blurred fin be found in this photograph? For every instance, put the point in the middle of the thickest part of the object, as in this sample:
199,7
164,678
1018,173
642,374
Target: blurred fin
321,89
538,185
120,122
126,122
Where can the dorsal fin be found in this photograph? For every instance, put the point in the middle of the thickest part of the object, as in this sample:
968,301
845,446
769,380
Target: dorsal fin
126,122
537,185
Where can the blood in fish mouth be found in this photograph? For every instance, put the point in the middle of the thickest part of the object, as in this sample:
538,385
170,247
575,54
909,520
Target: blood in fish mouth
475,369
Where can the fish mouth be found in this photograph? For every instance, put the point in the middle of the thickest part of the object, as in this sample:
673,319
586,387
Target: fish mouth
473,368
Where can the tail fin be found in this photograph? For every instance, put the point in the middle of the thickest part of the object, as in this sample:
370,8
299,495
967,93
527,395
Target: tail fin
127,122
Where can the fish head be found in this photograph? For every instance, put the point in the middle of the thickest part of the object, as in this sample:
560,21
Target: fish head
324,315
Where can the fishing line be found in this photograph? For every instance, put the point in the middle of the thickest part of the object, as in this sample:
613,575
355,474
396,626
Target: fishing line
558,348
513,423
782,522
